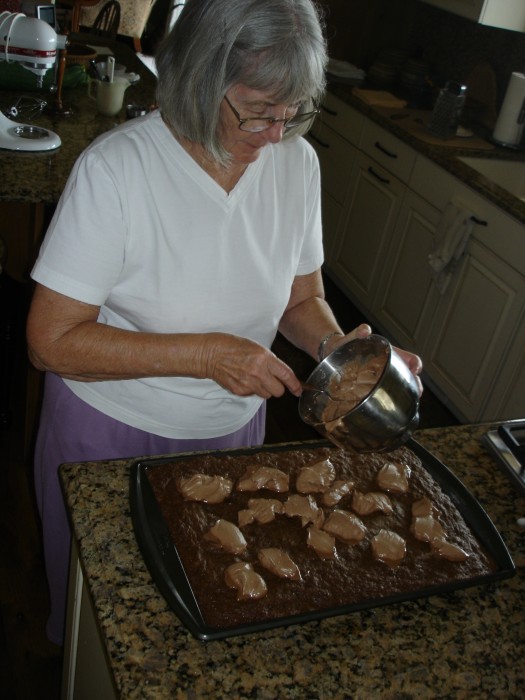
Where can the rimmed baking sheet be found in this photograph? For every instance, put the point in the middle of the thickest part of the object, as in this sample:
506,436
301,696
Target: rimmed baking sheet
167,570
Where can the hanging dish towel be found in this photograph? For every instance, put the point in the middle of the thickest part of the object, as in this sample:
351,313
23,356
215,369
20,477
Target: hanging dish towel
452,236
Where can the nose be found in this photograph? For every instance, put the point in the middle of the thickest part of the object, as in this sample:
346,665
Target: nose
275,133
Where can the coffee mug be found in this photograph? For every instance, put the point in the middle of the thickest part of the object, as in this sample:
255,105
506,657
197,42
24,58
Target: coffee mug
108,96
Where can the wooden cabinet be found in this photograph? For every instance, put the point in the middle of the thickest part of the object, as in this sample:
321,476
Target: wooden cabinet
390,203
86,673
373,205
334,136
382,167
406,296
468,336
506,14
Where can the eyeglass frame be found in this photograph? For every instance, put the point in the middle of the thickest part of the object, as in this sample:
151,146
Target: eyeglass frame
272,120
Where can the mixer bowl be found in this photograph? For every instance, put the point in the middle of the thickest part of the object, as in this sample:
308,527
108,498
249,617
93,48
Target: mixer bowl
383,408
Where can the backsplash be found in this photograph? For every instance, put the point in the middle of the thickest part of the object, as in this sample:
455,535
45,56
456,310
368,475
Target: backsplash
454,48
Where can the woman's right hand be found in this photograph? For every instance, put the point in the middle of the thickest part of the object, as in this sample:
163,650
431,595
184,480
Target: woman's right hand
245,368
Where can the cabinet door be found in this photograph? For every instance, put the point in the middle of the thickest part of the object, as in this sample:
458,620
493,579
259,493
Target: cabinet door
336,158
468,335
507,396
507,14
513,402
466,8
373,203
407,296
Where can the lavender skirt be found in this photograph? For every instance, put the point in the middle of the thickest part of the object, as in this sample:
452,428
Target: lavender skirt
72,431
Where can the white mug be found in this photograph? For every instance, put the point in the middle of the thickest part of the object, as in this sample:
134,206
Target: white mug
108,96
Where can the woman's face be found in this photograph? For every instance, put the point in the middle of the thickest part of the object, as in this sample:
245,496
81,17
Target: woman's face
245,146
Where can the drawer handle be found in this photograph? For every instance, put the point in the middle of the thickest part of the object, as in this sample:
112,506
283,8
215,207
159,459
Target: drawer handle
385,150
318,140
382,179
329,111
477,221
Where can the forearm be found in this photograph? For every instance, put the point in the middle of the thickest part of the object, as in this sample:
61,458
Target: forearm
307,323
91,351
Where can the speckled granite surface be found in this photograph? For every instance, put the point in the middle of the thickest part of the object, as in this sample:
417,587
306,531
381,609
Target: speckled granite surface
41,177
466,644
446,156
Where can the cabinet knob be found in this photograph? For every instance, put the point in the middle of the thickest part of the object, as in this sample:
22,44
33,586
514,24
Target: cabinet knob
379,177
318,140
384,150
477,221
329,111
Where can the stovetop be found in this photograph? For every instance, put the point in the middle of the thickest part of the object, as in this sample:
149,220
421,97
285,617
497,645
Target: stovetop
507,445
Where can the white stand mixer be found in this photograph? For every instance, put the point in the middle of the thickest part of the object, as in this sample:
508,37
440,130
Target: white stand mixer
33,43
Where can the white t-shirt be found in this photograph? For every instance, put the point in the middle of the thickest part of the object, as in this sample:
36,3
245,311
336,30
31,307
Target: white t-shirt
142,231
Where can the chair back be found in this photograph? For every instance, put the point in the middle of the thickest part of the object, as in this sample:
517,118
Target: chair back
108,20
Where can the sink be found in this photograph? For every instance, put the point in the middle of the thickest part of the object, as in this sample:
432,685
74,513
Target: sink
507,174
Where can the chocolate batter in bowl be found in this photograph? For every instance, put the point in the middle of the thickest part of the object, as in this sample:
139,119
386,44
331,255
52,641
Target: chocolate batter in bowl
362,397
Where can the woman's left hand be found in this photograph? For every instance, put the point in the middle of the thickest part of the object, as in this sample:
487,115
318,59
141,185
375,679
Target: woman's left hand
415,364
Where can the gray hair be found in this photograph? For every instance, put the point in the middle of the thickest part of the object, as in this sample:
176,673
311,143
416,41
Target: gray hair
269,45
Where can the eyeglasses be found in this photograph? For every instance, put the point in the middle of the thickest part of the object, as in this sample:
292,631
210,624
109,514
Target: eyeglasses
255,124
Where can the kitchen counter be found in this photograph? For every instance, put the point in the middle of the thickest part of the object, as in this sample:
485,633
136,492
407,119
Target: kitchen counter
445,155
467,643
40,177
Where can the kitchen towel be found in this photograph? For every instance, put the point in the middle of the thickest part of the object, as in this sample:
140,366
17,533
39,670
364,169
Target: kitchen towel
452,235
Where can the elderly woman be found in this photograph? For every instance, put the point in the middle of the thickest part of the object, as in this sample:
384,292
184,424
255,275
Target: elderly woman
182,243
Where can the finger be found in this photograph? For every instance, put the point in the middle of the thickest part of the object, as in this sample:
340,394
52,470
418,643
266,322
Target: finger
285,378
361,331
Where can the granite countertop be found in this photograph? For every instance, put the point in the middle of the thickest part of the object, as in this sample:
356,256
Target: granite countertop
41,177
446,155
464,644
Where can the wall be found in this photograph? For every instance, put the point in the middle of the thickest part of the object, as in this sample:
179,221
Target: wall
454,47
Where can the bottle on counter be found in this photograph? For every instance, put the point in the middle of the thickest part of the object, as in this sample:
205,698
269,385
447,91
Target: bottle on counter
447,110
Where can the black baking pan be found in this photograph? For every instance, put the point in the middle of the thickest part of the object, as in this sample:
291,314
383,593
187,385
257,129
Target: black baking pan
167,571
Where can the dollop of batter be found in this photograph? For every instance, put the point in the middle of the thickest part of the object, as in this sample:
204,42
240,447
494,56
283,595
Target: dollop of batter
249,584
304,507
422,507
389,547
427,529
256,478
449,551
323,543
394,477
372,502
227,536
315,478
357,380
345,526
260,510
336,492
279,563
208,489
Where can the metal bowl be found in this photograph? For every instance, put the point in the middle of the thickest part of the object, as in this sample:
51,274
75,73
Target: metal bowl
387,411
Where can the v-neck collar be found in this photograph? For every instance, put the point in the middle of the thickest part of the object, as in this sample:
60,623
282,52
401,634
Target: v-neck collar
205,181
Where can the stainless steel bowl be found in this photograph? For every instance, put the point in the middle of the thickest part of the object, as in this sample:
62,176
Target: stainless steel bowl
383,419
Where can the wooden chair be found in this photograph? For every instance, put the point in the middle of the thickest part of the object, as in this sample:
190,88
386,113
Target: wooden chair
107,21
133,16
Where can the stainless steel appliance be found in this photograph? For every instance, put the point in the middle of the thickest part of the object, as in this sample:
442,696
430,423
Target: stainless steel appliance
507,445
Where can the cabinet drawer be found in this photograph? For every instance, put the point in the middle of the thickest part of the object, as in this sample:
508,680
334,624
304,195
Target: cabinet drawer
342,118
336,157
496,229
388,151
